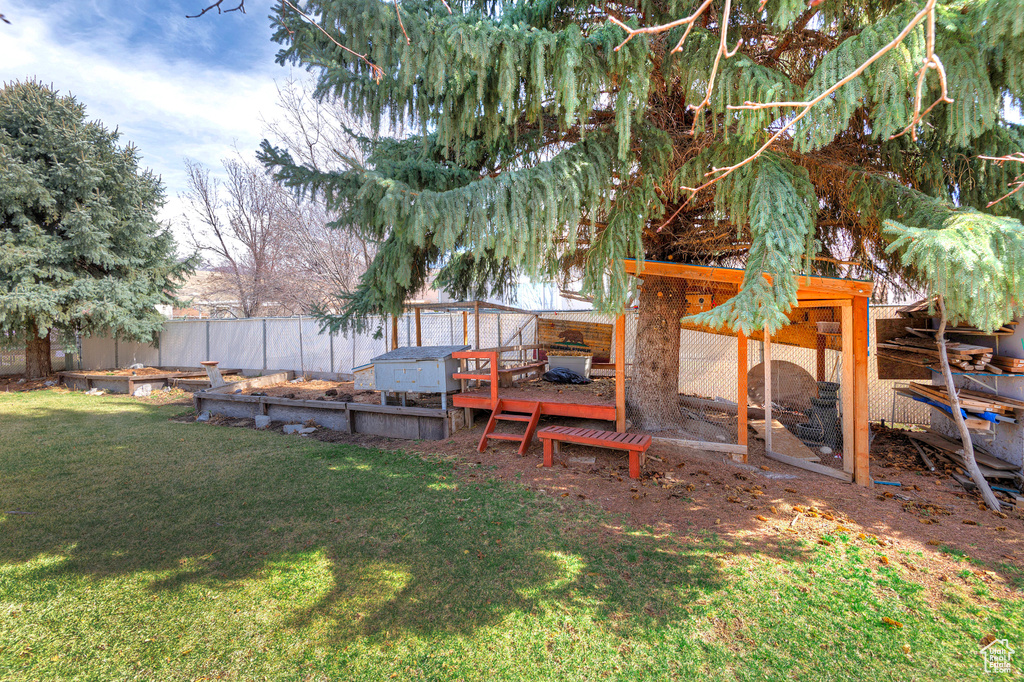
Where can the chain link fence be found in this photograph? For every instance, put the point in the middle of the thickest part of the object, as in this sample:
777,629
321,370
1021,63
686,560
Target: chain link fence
681,381
64,352
706,376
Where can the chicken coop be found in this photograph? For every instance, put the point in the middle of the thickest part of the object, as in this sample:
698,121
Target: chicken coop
801,393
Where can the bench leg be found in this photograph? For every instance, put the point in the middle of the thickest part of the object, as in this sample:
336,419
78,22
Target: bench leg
634,464
548,452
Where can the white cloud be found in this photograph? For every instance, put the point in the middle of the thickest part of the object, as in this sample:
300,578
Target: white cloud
169,109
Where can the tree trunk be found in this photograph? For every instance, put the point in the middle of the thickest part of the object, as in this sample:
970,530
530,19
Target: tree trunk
958,417
37,353
654,385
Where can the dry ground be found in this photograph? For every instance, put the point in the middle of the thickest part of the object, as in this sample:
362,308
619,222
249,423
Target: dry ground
927,526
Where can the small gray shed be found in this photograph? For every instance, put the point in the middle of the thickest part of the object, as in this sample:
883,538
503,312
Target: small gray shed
417,369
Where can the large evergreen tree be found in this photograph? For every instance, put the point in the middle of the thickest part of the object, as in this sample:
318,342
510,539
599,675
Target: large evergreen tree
543,141
80,249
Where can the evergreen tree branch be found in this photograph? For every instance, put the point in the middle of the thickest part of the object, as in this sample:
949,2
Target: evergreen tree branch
686,21
401,24
378,73
932,61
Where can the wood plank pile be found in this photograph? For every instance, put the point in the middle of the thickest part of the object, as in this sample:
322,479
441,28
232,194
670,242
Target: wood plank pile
917,314
1008,364
987,409
1000,472
924,352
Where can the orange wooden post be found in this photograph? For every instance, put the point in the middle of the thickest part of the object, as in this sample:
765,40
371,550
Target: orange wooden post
394,332
848,384
419,330
620,373
861,471
549,455
465,328
493,357
741,390
634,464
768,421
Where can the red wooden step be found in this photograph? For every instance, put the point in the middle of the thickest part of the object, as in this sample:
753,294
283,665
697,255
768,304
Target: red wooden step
505,436
513,417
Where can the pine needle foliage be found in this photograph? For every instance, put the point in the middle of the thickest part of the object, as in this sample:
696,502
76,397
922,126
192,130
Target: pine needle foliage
530,145
80,248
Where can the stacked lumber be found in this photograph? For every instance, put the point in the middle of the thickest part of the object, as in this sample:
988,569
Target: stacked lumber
918,313
983,410
924,352
992,468
1007,364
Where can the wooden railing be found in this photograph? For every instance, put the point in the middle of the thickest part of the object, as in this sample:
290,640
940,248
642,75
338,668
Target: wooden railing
492,376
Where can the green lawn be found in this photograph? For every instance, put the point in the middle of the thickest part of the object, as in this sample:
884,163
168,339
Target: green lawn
165,551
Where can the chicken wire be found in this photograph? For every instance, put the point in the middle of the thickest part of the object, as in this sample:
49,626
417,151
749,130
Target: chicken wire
64,353
685,387
808,387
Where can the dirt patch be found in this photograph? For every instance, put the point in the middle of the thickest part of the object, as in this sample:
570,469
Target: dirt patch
143,372
600,391
174,396
16,383
335,391
924,527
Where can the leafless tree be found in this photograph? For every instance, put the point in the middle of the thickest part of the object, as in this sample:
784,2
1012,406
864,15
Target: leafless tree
324,136
236,224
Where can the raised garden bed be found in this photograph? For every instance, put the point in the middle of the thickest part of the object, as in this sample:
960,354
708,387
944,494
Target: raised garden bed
128,380
349,416
193,384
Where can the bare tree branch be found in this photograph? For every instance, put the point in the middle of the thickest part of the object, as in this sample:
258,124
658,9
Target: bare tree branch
378,73
931,62
1017,184
240,7
970,462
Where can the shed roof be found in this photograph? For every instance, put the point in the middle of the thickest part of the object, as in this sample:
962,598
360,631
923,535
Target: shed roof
420,353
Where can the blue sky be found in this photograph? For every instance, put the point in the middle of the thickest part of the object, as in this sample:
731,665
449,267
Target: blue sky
176,87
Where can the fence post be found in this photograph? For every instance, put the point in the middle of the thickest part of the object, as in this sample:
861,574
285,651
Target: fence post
117,362
264,344
330,336
160,348
302,352
207,339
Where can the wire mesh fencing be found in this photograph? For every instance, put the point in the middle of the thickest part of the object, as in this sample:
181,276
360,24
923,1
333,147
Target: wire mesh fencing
64,353
811,397
681,379
705,370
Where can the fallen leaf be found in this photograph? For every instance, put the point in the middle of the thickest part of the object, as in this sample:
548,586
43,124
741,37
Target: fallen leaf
892,623
761,518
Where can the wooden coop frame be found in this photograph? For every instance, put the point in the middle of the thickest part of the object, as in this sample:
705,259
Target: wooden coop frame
465,307
851,297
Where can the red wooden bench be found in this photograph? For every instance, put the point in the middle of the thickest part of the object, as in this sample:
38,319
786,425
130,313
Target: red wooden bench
635,443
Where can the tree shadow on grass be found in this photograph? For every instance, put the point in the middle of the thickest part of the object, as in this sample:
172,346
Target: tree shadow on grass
379,541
